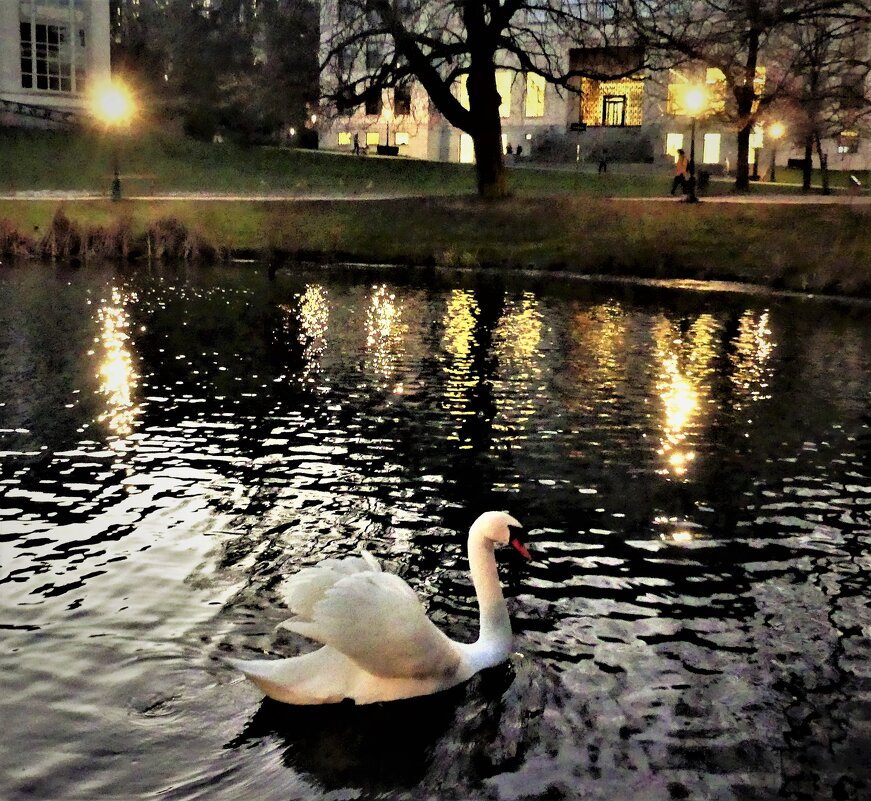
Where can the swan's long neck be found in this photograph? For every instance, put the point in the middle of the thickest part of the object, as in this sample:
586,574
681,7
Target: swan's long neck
494,639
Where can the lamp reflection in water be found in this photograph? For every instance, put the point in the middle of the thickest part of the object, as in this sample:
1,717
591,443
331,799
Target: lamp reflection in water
598,355
751,360
385,333
314,318
685,357
460,319
517,341
677,532
118,378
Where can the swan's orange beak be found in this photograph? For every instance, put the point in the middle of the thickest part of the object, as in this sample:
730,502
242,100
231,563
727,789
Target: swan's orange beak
516,543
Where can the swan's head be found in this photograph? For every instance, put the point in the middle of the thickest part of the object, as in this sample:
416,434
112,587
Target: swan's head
496,527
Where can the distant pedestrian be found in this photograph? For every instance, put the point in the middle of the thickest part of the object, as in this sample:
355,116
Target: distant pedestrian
519,152
681,173
356,144
509,150
603,161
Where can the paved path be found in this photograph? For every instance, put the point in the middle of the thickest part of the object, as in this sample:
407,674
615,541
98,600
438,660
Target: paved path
785,199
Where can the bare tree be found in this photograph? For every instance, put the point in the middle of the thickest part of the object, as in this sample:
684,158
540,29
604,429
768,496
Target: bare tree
827,86
369,45
740,38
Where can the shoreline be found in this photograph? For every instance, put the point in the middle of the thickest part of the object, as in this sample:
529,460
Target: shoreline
806,249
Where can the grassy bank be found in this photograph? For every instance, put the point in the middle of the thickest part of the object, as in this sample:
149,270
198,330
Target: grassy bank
769,244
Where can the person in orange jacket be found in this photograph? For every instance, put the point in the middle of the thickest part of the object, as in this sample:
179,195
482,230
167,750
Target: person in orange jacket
681,173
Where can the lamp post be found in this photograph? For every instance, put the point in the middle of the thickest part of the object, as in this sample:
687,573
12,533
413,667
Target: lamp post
695,100
113,106
775,131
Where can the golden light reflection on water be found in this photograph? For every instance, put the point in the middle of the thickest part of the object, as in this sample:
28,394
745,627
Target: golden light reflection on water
599,339
385,335
751,361
518,335
460,319
314,320
685,355
118,378
517,344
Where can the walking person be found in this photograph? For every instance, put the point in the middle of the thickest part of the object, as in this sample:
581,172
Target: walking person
356,144
681,172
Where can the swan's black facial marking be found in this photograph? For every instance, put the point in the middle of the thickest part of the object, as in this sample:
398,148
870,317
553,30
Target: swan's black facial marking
520,547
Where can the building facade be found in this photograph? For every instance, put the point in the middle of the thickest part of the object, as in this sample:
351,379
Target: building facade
51,53
640,118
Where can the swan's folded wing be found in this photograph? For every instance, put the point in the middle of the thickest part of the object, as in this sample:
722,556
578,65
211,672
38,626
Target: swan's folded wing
309,586
376,620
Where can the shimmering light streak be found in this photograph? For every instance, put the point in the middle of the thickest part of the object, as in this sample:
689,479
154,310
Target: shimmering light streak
385,334
314,318
460,319
751,360
685,358
517,343
118,378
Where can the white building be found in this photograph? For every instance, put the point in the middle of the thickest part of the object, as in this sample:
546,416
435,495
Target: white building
51,52
635,119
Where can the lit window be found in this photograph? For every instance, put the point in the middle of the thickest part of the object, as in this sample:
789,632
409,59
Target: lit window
504,79
673,143
756,137
372,138
614,110
461,92
344,138
534,95
711,149
714,76
848,142
467,149
401,138
625,102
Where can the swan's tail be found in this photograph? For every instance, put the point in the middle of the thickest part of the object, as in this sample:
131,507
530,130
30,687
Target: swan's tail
320,677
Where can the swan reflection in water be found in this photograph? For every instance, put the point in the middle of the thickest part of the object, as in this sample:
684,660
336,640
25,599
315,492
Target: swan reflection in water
475,729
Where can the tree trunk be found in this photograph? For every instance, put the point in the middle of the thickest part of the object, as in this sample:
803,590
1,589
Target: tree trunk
824,165
484,100
745,97
807,167
742,163
489,161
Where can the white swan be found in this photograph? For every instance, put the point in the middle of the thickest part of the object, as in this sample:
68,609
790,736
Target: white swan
378,644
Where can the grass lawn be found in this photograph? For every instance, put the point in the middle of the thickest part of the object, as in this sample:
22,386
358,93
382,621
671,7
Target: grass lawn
159,163
556,219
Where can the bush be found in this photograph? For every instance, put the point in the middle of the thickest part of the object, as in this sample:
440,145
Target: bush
169,240
114,242
13,242
63,240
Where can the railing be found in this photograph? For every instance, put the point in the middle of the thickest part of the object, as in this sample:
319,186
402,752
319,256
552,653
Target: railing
41,112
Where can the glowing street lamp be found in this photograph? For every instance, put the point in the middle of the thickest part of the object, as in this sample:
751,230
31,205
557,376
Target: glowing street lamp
112,104
775,131
695,100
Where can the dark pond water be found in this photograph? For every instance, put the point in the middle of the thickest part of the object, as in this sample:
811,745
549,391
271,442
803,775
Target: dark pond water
692,469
